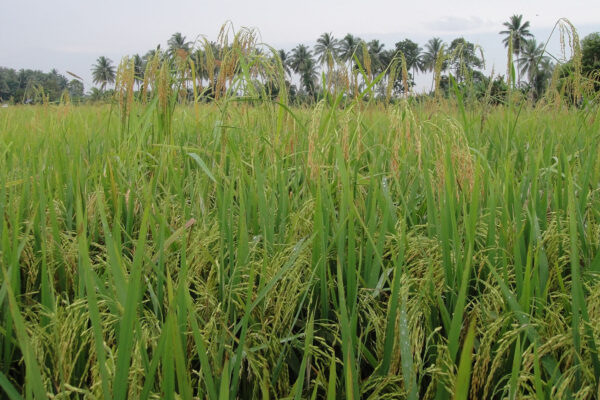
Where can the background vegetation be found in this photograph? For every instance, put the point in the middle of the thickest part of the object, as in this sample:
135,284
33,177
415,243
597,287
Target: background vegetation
337,62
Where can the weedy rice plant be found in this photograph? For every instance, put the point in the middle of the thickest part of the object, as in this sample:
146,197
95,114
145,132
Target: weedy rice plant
241,247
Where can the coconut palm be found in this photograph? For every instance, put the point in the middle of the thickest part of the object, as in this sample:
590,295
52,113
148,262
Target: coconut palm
300,58
536,65
348,46
302,62
433,50
103,72
376,53
327,49
178,46
199,59
150,54
138,69
532,55
308,76
285,61
95,95
542,76
519,32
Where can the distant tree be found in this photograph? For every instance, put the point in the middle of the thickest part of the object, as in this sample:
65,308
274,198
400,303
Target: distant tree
348,46
590,68
590,57
327,49
463,58
542,77
519,32
199,58
376,54
103,72
300,58
76,90
433,50
302,62
9,84
28,85
497,90
536,66
327,52
4,88
309,77
138,69
178,47
399,86
285,61
150,54
532,55
54,84
412,54
96,94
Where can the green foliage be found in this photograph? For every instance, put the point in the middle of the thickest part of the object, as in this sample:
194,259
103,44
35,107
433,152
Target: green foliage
302,62
463,59
247,248
103,72
590,48
24,86
412,54
590,58
75,88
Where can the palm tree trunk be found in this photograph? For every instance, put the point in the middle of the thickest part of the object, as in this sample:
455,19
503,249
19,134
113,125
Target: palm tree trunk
432,83
518,69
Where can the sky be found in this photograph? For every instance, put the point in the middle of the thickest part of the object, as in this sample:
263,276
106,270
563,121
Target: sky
70,34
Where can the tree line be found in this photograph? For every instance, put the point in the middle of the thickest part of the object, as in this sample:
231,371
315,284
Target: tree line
331,61
32,86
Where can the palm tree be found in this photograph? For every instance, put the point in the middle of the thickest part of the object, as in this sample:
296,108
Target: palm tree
433,49
542,77
532,55
300,58
301,61
95,94
535,64
285,61
375,48
327,49
519,32
178,46
138,69
309,76
150,54
103,72
201,72
348,46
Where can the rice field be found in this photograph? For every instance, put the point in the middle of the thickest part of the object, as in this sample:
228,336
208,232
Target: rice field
247,248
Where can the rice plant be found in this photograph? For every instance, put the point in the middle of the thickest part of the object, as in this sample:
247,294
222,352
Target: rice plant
165,247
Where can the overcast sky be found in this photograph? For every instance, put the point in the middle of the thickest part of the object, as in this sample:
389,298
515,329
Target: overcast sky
71,34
